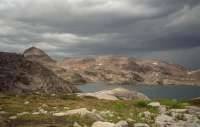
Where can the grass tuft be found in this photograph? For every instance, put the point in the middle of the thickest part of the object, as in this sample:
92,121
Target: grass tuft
141,103
174,103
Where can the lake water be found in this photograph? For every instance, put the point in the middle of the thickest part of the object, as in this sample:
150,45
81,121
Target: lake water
154,92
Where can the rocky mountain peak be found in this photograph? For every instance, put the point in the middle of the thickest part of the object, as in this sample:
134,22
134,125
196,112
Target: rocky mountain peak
19,75
36,54
33,51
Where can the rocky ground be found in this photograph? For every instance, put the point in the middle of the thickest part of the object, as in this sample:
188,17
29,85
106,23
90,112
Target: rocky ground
37,110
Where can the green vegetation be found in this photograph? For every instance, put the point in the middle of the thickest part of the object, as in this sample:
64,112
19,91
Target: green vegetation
68,121
141,103
174,103
116,110
119,106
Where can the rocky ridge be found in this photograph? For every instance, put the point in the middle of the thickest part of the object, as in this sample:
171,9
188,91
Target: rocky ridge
125,70
37,55
18,75
115,70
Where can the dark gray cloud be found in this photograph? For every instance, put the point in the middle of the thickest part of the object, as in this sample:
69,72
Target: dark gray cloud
143,28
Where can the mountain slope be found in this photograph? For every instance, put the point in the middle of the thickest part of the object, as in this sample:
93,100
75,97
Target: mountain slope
37,55
19,75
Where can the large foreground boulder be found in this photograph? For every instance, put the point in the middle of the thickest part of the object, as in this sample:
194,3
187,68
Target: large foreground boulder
116,94
18,75
109,124
82,112
103,124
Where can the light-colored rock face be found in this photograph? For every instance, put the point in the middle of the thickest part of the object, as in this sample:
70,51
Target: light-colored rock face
3,112
194,110
146,114
179,118
82,111
59,114
121,124
22,113
162,109
35,113
13,117
195,74
103,124
26,102
179,110
154,104
103,96
164,120
141,125
109,124
116,94
76,125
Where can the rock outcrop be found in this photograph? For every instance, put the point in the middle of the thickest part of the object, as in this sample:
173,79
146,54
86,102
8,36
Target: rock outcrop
109,124
116,94
82,112
19,75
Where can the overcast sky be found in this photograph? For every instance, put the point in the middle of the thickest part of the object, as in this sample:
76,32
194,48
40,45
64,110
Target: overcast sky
162,29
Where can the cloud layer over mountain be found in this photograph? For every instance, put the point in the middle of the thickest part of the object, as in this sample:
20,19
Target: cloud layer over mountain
163,29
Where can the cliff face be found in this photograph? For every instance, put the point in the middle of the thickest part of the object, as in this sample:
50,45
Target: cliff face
19,75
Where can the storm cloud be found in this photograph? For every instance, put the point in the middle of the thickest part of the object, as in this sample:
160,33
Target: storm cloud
162,29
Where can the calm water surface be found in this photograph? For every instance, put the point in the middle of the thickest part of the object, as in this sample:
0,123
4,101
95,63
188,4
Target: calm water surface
154,92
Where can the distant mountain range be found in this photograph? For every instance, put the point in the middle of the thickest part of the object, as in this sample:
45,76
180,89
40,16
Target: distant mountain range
35,71
115,70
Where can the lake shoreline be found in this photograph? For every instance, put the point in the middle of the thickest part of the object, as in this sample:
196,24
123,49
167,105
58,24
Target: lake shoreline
138,84
152,91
